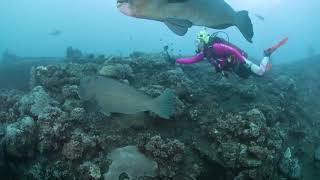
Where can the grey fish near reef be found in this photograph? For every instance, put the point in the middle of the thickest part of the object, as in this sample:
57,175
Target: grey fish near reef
112,96
180,15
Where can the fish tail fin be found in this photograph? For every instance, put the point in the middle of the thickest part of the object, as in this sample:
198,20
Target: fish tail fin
164,105
244,24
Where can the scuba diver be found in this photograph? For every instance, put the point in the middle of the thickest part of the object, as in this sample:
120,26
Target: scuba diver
226,57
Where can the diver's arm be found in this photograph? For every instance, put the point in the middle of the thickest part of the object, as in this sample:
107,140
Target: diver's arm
225,50
191,60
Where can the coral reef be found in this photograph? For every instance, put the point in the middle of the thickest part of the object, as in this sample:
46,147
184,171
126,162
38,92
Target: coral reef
290,165
223,128
118,71
20,138
168,154
8,99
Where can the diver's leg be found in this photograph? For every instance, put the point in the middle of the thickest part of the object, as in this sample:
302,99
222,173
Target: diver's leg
258,70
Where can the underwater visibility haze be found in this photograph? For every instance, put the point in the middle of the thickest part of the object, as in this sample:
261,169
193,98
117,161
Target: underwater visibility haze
159,89
97,26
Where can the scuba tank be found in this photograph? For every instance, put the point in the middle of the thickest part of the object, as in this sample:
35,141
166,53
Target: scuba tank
240,69
215,39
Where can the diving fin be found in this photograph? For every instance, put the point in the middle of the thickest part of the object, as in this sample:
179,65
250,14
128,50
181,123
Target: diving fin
178,26
270,50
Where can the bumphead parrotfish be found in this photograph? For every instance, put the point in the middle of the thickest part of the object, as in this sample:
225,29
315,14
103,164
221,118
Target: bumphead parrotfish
179,15
112,96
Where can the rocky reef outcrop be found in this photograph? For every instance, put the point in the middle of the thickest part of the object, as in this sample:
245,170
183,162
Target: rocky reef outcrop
223,128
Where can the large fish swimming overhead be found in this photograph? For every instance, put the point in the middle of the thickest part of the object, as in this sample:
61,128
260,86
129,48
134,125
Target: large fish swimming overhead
179,15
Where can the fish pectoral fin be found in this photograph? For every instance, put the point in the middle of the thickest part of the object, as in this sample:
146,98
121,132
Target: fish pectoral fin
177,1
178,26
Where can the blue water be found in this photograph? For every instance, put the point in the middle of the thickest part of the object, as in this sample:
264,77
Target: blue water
216,116
97,26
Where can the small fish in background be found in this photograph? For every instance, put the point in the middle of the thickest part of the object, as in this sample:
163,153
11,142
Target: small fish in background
259,17
112,96
55,33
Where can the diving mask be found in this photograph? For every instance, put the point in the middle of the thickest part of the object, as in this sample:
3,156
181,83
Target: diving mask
202,40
